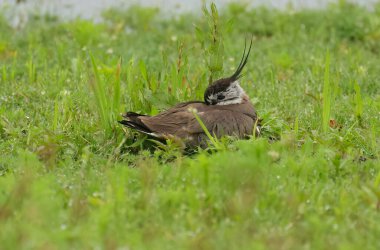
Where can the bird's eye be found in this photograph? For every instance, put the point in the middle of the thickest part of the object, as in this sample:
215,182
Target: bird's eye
220,97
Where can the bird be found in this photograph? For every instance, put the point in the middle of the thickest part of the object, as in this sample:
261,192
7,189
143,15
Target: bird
225,111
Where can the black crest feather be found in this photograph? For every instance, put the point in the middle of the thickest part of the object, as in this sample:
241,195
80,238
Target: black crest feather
243,62
222,84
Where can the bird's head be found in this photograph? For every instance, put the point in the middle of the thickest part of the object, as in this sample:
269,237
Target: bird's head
227,91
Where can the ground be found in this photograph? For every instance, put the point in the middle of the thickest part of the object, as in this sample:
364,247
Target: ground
72,177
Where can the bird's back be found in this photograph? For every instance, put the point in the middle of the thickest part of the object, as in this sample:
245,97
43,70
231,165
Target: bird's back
232,120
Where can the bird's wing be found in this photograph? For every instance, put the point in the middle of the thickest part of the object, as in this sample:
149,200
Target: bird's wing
225,122
171,122
184,125
180,122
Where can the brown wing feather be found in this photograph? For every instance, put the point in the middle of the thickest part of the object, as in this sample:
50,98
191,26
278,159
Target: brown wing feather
235,120
226,122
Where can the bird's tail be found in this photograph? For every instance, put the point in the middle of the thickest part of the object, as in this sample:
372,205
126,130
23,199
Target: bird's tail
132,120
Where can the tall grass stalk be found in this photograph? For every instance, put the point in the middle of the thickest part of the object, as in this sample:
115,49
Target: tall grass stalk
255,126
215,142
358,101
326,95
374,135
13,70
55,114
31,71
296,126
117,88
107,96
215,49
133,88
4,74
100,95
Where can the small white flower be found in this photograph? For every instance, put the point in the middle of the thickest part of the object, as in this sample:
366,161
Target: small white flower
109,51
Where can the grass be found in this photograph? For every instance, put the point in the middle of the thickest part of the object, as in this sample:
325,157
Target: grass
326,96
107,95
71,177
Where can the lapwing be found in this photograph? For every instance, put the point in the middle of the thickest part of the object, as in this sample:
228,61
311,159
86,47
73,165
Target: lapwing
225,111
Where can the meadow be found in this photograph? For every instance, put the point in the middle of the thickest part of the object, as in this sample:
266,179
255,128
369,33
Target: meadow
71,177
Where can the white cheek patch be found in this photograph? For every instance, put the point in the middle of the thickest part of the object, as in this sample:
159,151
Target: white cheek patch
238,89
232,95
237,100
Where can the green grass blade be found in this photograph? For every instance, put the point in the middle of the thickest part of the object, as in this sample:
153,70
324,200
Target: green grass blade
100,95
296,126
213,140
326,109
56,114
117,86
358,101
4,75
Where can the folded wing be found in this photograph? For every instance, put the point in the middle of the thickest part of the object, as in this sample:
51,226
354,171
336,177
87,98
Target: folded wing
180,122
